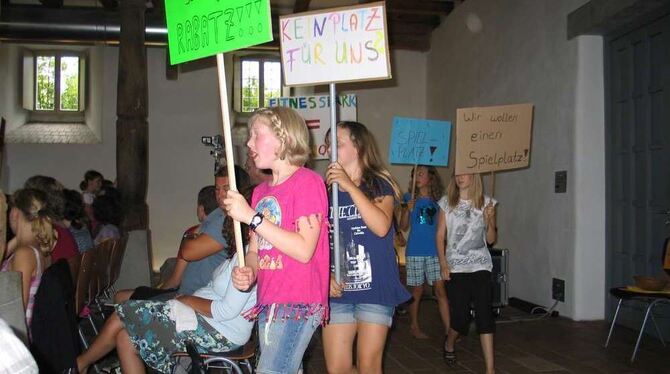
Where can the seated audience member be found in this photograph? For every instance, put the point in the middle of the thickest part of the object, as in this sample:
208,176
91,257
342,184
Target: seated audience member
90,188
215,315
29,252
203,252
168,289
107,213
209,243
75,220
65,247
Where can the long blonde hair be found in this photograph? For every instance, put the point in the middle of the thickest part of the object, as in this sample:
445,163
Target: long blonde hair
475,192
372,166
290,128
33,205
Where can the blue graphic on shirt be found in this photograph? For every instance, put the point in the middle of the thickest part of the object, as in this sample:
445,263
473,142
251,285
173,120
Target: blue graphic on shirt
423,227
271,210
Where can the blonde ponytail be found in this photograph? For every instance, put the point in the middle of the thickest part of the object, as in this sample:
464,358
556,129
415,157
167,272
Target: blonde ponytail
42,228
33,205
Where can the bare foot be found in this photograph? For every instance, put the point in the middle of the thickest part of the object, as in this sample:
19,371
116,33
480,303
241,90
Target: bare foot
417,333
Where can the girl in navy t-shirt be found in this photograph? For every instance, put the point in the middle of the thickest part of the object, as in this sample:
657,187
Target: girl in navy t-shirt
362,304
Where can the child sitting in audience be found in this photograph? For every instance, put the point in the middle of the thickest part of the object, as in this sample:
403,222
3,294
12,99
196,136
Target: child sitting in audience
107,212
90,186
65,245
75,220
29,252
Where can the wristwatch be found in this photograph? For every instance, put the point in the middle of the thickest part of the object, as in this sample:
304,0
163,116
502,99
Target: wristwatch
256,220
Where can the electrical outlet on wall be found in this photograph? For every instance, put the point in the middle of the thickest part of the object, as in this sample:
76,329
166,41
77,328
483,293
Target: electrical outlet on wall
558,289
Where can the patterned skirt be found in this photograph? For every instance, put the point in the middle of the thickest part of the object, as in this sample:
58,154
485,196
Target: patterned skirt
155,335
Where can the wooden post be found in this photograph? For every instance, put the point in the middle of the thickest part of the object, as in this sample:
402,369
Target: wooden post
132,109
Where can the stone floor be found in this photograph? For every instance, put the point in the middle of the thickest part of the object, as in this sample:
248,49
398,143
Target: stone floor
550,345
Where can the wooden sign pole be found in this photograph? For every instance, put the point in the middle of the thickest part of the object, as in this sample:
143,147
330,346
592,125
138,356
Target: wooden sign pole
493,184
334,188
228,146
414,180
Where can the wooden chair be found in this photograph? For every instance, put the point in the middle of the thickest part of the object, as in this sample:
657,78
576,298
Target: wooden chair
83,289
116,261
74,263
649,299
100,281
83,295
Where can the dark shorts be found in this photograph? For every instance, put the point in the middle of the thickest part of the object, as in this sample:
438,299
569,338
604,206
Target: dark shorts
156,294
465,289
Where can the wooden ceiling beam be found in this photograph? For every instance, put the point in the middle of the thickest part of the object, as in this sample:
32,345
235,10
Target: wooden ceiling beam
52,3
440,8
398,27
109,4
410,42
301,6
426,19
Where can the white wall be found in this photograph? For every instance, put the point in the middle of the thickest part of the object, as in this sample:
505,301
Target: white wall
589,181
66,162
180,112
521,55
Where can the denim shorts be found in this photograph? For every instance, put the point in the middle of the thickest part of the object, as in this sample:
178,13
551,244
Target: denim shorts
352,313
283,341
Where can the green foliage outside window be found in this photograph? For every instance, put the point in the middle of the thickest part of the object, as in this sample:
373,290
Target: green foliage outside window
46,82
46,79
69,97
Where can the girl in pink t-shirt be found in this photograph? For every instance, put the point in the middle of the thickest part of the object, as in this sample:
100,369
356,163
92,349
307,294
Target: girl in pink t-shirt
288,249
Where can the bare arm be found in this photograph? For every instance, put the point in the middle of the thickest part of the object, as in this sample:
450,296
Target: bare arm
25,263
405,210
439,242
174,280
377,214
198,248
490,221
299,245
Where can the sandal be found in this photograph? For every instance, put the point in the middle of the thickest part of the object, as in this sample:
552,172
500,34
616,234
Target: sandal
450,357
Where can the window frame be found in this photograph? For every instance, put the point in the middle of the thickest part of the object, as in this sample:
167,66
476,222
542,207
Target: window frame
58,55
261,59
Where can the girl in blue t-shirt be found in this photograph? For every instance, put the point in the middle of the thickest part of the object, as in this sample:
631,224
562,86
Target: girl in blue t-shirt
362,304
420,214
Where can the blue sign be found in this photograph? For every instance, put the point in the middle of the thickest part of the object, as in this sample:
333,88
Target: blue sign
420,141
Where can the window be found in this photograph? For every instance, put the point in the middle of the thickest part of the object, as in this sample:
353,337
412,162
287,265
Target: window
53,82
261,81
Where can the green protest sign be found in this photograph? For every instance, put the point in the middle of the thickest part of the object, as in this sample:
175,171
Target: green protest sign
201,28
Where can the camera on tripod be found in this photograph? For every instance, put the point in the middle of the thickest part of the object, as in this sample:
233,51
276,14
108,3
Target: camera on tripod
217,152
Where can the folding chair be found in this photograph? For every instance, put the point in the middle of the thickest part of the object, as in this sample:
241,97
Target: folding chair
230,362
648,298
